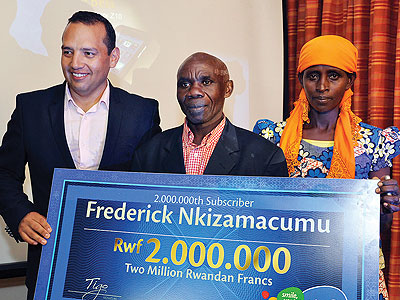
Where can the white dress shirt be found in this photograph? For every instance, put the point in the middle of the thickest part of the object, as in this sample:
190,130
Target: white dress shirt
86,131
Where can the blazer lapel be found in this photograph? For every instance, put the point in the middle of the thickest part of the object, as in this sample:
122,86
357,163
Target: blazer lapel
173,161
223,158
113,126
56,114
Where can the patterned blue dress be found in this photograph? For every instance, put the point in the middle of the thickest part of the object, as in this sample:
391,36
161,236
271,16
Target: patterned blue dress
375,150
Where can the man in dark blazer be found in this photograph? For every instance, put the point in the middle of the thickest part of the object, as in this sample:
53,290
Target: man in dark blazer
207,143
46,130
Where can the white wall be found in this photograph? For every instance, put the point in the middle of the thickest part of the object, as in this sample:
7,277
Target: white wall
13,289
246,34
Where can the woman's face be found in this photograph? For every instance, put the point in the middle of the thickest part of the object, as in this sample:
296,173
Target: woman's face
325,86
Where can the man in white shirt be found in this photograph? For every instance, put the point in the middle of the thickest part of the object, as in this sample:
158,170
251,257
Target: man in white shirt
84,123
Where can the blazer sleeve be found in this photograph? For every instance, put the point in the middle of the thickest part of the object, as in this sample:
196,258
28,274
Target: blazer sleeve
136,162
277,165
14,204
154,127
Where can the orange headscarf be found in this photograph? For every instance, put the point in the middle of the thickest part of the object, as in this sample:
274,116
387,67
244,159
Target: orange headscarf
337,52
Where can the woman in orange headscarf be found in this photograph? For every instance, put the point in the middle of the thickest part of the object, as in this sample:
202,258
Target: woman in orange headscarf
323,137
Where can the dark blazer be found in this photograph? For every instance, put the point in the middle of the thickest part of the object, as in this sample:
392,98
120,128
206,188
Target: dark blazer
36,135
238,152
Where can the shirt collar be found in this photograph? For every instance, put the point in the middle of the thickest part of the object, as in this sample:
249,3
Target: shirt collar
105,98
188,136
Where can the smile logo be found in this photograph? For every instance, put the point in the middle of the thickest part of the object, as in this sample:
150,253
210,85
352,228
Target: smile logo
291,293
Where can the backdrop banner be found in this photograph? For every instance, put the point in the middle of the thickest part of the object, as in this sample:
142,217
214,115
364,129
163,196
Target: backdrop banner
142,236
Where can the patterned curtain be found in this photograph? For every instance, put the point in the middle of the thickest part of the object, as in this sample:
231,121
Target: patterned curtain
373,26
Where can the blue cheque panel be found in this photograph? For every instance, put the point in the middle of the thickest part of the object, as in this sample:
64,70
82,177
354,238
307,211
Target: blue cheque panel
140,236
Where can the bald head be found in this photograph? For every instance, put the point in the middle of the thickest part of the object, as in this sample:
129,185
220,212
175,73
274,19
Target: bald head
203,84
218,65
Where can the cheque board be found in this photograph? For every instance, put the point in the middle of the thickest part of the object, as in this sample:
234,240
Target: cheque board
120,235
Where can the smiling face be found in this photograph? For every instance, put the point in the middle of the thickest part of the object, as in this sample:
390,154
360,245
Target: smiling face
85,61
203,84
325,86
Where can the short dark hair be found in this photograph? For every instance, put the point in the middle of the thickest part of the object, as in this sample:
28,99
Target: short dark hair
91,18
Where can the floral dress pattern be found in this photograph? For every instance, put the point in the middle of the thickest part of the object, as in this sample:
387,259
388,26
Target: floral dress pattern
375,150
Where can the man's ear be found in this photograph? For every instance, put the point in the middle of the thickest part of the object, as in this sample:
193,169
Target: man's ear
229,88
114,57
300,76
352,77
